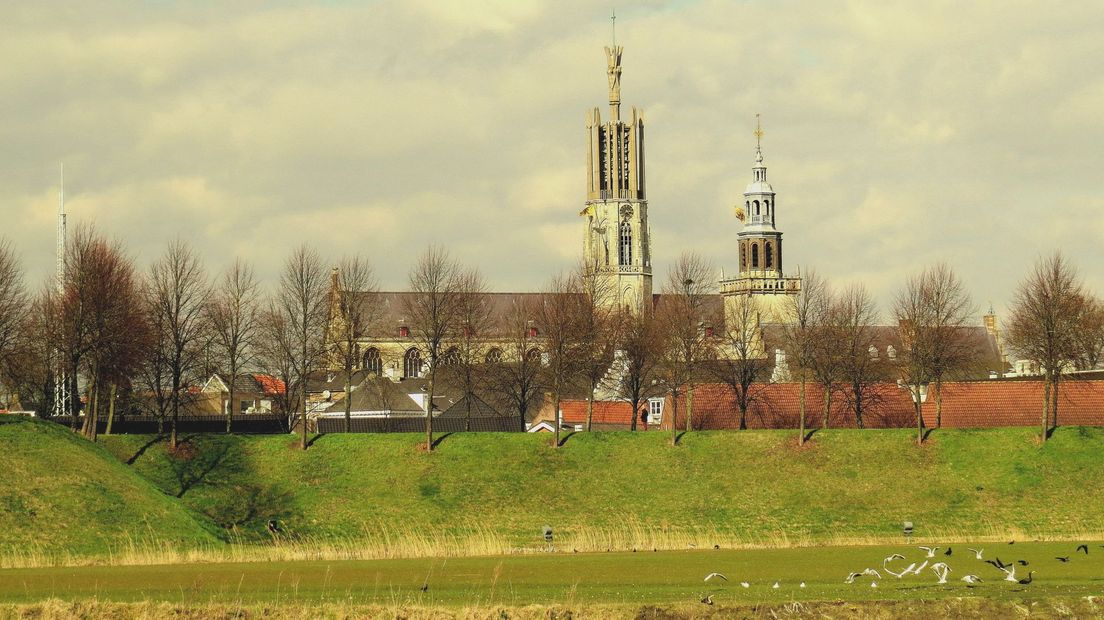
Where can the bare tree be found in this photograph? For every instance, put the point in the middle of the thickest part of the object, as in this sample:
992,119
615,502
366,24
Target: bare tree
14,303
559,315
465,359
1046,312
178,292
825,353
517,377
741,359
233,316
433,309
686,324
276,356
599,320
352,312
808,309
1090,334
861,366
301,304
640,351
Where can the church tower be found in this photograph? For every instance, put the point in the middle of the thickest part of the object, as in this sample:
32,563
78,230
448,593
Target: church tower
616,239
759,244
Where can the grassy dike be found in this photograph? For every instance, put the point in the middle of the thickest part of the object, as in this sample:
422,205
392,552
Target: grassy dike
749,486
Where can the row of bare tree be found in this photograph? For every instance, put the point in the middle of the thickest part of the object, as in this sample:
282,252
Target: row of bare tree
155,336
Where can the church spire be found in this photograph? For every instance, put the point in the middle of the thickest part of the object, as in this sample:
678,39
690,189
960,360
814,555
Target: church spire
759,171
613,70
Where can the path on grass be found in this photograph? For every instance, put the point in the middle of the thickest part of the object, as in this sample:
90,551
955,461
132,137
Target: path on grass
644,577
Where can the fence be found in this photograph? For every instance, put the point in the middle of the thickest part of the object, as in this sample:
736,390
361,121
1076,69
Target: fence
248,424
416,424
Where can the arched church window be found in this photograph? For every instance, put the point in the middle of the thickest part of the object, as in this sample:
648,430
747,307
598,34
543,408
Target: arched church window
755,203
451,357
626,244
494,356
533,355
372,362
754,256
767,258
412,364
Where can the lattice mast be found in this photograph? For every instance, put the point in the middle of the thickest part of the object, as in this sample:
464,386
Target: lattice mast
62,396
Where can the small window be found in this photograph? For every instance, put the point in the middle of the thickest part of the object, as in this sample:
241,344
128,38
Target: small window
625,257
532,332
754,256
404,332
767,256
245,406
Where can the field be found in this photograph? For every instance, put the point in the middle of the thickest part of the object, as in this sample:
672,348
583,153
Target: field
598,583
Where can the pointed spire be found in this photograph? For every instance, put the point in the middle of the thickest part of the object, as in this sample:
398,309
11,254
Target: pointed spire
613,71
758,140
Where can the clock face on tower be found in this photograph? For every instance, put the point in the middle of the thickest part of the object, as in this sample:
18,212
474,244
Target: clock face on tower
626,211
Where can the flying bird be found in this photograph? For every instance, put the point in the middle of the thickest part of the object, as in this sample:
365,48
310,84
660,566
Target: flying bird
1021,562
1084,548
717,575
929,550
907,570
1062,559
920,568
895,556
873,573
852,577
998,563
972,579
977,552
941,570
1010,573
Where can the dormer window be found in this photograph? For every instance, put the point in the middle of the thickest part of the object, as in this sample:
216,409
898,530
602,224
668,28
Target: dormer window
532,331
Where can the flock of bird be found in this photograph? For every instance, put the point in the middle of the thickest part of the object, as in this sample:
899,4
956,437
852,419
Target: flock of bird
933,560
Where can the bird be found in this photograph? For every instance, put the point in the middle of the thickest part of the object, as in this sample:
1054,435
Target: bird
425,586
998,563
873,584
1062,559
977,552
716,546
574,551
895,556
1026,580
776,585
1010,573
691,545
801,585
852,577
941,570
930,551
707,599
917,570
1011,542
1084,548
634,549
947,552
871,572
744,584
907,570
1021,562
274,527
717,575
972,579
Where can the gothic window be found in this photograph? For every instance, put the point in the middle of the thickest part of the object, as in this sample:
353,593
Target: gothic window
494,356
372,362
626,244
754,256
767,257
451,357
412,364
533,355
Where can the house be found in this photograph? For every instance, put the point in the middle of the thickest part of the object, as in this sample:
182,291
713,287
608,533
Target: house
254,393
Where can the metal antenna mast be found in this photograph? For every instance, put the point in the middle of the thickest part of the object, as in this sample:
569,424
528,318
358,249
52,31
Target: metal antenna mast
62,399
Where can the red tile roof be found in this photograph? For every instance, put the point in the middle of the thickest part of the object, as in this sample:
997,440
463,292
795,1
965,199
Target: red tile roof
616,413
1016,403
270,384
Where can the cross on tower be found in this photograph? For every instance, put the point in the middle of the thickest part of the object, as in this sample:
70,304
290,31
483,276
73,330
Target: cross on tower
758,132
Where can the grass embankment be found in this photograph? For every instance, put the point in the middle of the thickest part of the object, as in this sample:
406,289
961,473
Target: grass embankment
619,489
62,495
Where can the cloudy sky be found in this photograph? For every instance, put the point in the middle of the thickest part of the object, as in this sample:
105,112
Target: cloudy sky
897,134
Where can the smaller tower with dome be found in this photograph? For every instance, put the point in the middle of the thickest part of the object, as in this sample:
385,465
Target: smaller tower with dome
759,244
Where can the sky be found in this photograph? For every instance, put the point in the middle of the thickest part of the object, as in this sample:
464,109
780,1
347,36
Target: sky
896,134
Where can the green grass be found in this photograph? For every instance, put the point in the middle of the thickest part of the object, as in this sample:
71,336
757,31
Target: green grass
636,579
61,494
753,486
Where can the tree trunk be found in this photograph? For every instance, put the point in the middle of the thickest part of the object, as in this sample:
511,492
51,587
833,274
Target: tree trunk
348,400
95,412
429,404
467,409
689,406
827,404
635,413
1054,403
88,410
556,419
590,409
919,408
230,405
856,392
939,403
111,410
801,412
674,417
1046,405
172,431
303,420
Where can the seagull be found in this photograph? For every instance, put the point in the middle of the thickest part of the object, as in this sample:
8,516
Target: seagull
748,585
1026,580
920,568
895,556
776,585
873,573
873,584
717,575
930,551
852,577
1010,573
940,569
1084,548
801,585
977,552
707,599
972,579
1062,559
907,570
